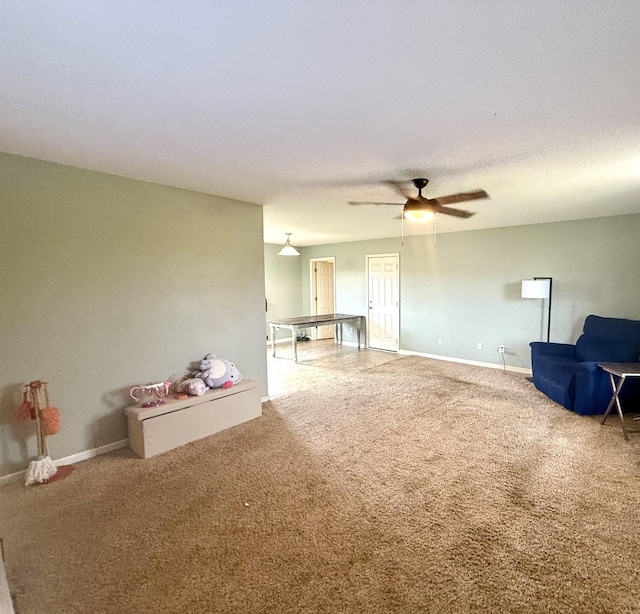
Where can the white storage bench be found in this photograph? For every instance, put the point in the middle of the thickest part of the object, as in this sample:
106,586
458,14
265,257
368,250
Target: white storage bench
153,430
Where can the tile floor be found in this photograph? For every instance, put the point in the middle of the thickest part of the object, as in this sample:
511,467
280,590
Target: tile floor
319,362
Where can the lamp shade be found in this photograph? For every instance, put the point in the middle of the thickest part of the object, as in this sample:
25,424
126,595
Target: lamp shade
288,249
536,288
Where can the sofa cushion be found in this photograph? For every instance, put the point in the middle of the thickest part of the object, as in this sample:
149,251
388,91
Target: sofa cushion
617,330
590,348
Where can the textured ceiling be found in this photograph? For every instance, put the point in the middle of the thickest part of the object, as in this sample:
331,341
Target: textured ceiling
302,106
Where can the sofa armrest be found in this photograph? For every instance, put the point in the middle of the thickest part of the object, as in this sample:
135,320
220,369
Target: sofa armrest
561,350
587,368
591,389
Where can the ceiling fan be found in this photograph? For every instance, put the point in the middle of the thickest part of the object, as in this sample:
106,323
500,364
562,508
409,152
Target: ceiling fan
418,208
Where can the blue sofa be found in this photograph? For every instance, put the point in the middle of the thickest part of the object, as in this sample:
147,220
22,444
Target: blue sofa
569,374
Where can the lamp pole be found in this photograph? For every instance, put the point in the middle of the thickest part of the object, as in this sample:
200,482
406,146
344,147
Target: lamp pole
549,313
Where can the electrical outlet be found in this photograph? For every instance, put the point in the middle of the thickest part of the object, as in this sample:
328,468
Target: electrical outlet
479,345
501,349
439,340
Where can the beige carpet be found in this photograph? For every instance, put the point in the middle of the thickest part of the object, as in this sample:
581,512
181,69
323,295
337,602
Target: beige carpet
416,486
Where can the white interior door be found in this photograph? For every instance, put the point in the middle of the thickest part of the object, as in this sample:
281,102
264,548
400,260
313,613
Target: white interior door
384,306
323,294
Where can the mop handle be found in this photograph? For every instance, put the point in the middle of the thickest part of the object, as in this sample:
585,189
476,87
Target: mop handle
44,437
36,408
46,394
35,387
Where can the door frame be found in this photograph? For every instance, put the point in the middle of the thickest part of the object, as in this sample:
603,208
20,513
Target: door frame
312,296
366,274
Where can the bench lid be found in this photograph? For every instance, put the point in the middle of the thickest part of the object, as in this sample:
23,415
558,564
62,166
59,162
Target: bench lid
171,404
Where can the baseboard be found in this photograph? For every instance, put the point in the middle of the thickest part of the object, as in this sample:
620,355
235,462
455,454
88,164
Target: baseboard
69,460
475,363
80,456
18,476
463,361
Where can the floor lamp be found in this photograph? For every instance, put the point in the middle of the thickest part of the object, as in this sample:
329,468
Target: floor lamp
539,287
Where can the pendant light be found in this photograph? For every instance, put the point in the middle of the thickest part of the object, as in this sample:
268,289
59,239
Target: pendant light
288,249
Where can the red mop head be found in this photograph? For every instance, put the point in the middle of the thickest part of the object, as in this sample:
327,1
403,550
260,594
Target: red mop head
49,420
26,410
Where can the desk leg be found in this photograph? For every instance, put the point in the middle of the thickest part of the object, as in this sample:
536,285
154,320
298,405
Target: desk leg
294,342
615,398
272,332
358,331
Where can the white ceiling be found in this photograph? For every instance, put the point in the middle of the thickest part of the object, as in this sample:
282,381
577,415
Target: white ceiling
302,106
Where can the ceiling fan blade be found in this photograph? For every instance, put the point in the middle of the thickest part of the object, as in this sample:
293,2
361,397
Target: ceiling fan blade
458,198
370,203
400,187
450,211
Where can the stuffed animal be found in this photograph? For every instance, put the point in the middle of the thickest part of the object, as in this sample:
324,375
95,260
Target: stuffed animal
194,387
217,372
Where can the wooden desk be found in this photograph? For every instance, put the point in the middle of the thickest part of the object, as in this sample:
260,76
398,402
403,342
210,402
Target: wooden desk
621,370
301,322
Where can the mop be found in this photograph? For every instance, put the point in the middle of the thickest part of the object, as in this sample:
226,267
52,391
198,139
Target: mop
41,468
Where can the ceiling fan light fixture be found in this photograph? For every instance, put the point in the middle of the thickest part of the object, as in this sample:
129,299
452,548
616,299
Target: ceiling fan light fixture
419,215
288,249
417,211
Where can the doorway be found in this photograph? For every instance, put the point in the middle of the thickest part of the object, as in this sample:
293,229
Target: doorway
383,322
322,293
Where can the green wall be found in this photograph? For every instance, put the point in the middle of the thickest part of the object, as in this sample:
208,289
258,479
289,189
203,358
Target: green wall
467,288
107,283
282,286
